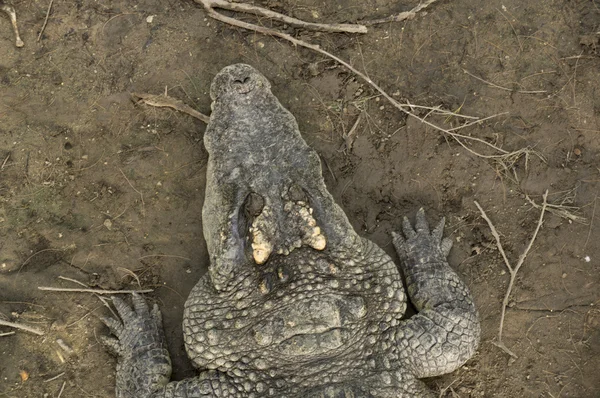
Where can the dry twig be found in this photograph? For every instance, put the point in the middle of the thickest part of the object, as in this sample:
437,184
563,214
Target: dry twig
139,193
99,297
403,15
62,389
5,160
512,270
560,210
42,251
504,88
54,378
96,291
22,327
259,11
211,5
45,21
164,255
164,101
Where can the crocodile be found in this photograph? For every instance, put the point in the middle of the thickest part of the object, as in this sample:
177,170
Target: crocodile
295,303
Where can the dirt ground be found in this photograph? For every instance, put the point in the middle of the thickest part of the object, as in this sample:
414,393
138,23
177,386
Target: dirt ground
97,188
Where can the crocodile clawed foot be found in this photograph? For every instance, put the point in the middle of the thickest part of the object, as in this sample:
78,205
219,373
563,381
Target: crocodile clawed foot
133,322
139,342
419,243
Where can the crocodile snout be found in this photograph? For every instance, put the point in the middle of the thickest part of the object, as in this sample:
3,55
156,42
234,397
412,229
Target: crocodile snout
236,80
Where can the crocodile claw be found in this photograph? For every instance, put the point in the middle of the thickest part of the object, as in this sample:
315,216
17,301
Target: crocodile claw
419,243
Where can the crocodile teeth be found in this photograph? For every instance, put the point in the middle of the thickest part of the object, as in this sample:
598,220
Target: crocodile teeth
261,247
317,240
261,252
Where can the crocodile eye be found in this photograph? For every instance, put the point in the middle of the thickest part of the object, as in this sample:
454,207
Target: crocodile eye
254,204
283,273
297,194
266,284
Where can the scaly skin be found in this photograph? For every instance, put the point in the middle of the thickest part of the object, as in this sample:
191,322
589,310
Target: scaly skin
295,303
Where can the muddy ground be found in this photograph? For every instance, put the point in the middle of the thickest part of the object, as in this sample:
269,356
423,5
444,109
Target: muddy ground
97,188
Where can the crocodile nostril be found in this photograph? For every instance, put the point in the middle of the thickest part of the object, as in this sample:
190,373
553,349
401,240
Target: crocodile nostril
243,85
241,81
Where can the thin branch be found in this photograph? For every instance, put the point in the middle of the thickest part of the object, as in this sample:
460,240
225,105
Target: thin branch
512,270
96,291
537,229
54,378
45,21
164,255
496,236
210,5
21,327
62,389
36,253
141,195
504,88
259,11
591,223
401,16
164,101
561,211
5,160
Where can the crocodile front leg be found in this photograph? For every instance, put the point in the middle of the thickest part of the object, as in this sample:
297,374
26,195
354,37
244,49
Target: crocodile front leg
445,332
144,365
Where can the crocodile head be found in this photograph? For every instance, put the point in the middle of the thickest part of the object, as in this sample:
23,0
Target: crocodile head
286,274
265,192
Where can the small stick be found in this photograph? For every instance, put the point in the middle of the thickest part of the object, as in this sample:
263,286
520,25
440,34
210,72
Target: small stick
350,137
255,10
164,255
141,195
97,295
96,291
504,88
36,253
6,334
5,160
209,6
10,11
164,101
64,278
62,389
591,223
514,31
45,21
401,16
22,327
54,378
561,211
512,270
